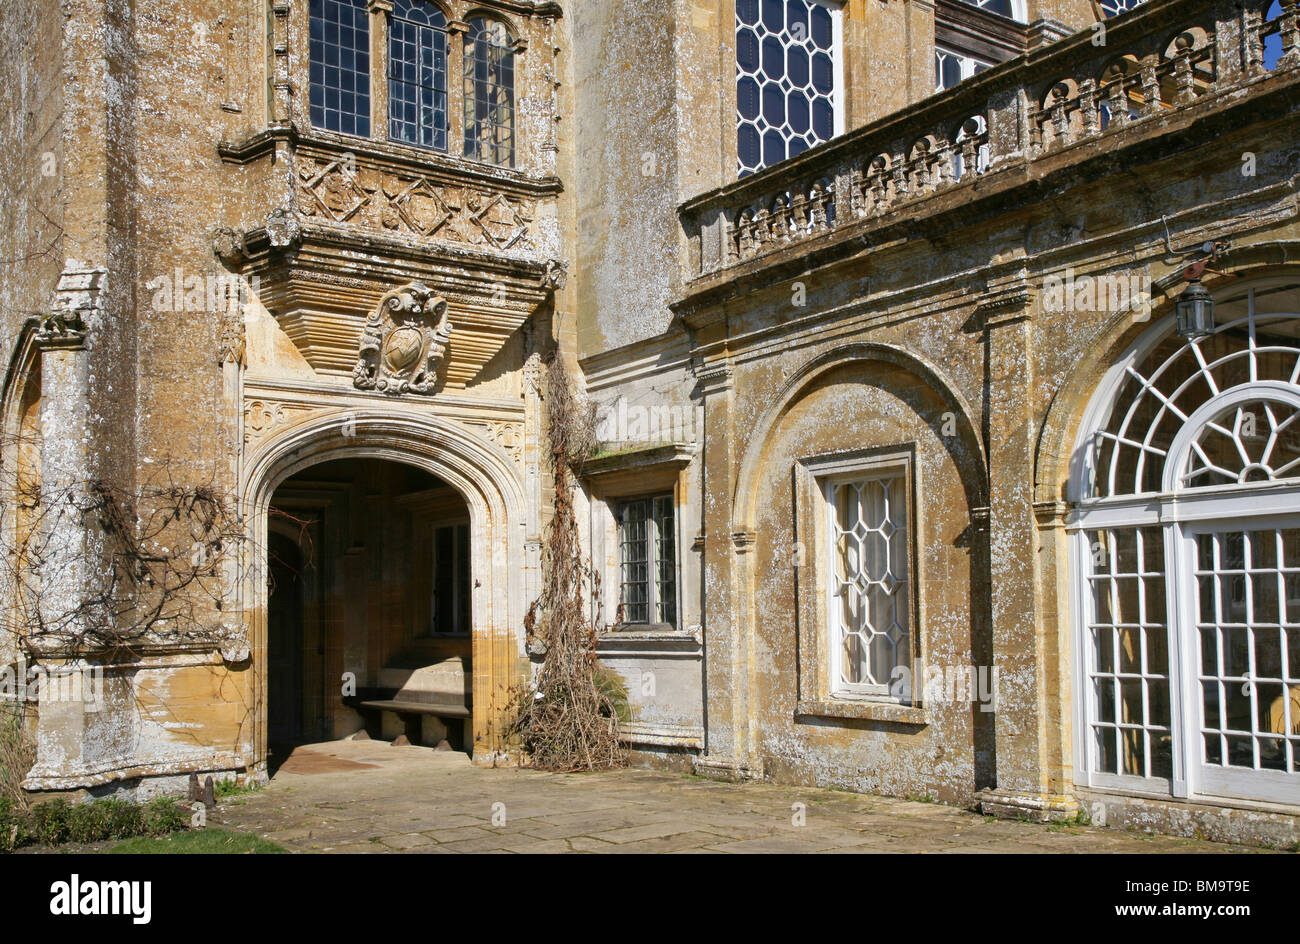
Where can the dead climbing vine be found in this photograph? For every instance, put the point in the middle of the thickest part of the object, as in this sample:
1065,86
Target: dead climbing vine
568,718
157,564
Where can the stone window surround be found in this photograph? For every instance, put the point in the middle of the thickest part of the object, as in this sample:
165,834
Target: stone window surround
637,473
816,698
456,28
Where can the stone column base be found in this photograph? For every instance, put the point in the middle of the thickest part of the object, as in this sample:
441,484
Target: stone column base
723,767
1017,804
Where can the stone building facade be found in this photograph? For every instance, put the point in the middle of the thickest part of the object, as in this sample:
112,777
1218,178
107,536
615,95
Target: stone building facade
909,478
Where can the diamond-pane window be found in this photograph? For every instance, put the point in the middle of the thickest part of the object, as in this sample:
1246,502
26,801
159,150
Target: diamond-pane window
787,95
869,609
339,55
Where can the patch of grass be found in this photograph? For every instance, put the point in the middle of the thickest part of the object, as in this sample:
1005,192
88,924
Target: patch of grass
54,822
198,842
225,789
1073,824
923,798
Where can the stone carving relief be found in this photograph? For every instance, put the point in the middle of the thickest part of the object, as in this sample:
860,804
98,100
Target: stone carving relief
232,343
264,417
509,436
77,307
343,192
404,342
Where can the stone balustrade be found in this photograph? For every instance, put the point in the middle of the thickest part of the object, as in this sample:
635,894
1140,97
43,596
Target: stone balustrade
1135,70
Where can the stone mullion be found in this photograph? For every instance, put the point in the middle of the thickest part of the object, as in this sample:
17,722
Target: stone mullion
380,10
457,96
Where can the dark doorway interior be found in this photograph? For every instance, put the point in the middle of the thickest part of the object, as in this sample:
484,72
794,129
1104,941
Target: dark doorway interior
369,607
284,649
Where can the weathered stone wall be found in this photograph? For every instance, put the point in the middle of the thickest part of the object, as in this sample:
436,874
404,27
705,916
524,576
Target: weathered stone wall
957,289
31,159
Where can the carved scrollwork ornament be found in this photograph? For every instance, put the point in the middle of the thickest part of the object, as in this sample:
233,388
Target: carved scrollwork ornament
404,342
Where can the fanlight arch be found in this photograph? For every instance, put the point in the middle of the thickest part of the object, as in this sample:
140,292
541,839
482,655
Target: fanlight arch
1245,375
1186,548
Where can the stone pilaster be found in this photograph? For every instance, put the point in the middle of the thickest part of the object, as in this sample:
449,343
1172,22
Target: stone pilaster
728,744
1023,786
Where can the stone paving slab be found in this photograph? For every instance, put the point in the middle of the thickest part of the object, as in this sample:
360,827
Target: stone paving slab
369,797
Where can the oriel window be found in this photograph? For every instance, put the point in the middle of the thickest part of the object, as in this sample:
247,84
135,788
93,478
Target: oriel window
417,75
489,93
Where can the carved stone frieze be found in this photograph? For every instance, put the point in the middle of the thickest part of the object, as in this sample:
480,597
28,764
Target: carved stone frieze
232,345
341,191
404,342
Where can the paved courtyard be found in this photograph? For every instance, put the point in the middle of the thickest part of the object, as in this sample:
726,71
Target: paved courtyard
367,796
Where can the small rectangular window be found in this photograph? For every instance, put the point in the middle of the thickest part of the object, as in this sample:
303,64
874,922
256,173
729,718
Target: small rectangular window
647,561
869,603
451,590
339,53
951,67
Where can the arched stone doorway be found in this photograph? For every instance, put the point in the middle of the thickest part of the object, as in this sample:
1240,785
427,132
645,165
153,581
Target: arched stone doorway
404,489
370,595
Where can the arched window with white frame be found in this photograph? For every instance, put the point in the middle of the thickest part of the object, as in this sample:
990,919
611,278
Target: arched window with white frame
1186,548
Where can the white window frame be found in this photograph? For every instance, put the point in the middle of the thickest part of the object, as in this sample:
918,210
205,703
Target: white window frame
838,112
1181,514
967,62
826,473
1018,9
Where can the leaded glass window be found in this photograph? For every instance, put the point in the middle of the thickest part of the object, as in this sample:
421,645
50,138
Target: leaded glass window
648,561
869,608
787,82
339,54
1116,7
489,93
1007,8
417,74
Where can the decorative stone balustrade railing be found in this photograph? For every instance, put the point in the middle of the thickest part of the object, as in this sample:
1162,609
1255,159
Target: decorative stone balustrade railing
1145,64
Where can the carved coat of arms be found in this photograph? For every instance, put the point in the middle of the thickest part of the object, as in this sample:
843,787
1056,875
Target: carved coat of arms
404,342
